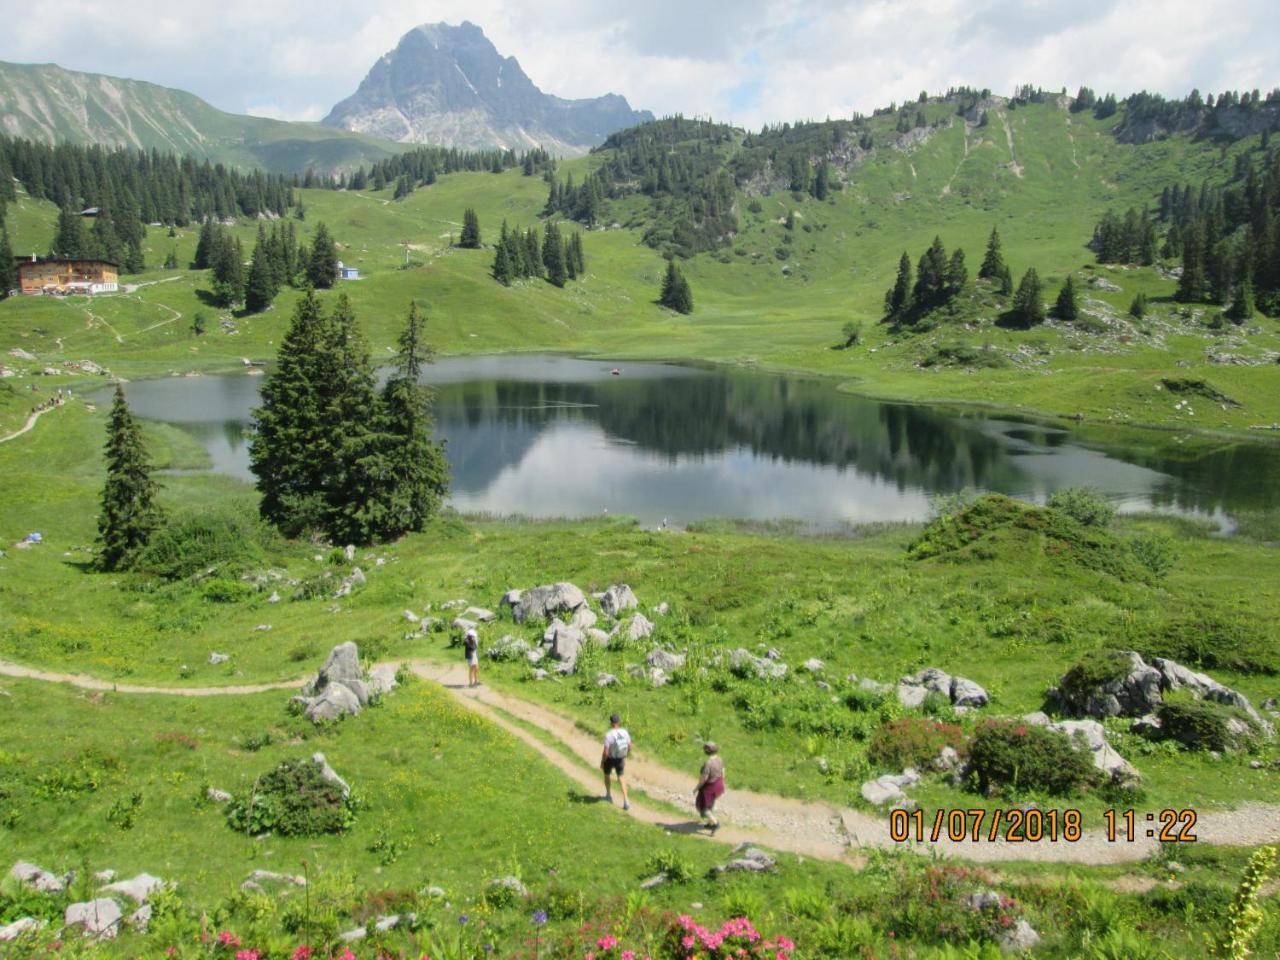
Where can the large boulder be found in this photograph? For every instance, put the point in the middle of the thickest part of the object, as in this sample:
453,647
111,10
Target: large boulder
746,664
584,618
23,925
1176,677
888,789
912,696
336,701
330,775
339,689
98,919
640,627
138,889
34,876
661,659
565,646
966,693
542,603
617,598
1019,938
480,614
1090,735
342,665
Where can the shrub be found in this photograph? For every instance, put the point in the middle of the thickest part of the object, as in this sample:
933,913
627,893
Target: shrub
1092,671
294,800
929,903
228,591
1212,642
1023,756
670,862
1201,724
912,742
194,542
1084,505
315,586
1154,552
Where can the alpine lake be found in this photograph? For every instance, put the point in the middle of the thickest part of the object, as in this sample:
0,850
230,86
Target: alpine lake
552,436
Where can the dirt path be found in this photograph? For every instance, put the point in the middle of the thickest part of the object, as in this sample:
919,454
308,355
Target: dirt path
808,828
31,422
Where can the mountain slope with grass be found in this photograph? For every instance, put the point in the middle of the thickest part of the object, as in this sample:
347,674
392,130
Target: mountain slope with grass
48,103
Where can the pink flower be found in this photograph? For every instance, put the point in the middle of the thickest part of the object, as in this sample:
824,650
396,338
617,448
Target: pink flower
346,954
628,955
171,951
687,942
228,939
248,955
607,942
301,953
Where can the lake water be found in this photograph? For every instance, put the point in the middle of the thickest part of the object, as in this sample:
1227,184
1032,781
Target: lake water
549,436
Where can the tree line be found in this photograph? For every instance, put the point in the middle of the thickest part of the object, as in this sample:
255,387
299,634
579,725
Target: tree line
137,185
117,241
556,258
422,165
278,260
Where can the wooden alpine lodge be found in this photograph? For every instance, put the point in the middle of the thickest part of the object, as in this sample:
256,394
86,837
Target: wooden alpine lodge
52,275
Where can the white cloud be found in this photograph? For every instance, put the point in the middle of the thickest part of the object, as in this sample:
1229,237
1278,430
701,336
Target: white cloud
751,61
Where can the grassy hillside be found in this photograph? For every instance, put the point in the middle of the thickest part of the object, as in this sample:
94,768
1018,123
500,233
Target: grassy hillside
47,103
1043,176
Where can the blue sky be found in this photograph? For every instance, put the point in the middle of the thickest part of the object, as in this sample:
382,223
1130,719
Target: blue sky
747,61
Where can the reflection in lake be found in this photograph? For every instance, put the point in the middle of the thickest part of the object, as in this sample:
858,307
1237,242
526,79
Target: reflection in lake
553,436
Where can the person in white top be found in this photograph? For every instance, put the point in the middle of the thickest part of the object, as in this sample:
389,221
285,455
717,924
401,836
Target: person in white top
617,744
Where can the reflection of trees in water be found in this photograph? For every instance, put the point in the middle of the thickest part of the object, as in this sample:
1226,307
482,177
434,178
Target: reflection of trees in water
1234,476
779,418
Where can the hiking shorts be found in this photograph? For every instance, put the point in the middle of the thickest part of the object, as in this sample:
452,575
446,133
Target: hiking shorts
614,765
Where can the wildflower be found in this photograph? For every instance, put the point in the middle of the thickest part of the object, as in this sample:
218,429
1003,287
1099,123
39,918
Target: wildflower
539,918
248,955
301,953
346,954
628,955
228,939
607,942
171,951
463,918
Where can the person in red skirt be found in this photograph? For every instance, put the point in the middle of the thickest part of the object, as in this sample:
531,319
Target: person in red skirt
710,786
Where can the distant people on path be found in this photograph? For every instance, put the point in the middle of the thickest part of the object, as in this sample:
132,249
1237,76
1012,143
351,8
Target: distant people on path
471,644
617,745
710,786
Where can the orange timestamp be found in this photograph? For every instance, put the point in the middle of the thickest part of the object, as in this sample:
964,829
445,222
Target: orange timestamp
978,825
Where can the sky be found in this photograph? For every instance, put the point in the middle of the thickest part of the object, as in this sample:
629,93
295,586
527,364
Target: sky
749,62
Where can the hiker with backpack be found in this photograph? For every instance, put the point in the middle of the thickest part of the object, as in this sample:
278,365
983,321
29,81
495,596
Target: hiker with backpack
471,646
710,786
617,744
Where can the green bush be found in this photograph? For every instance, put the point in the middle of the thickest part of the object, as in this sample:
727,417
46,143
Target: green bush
1200,724
1212,641
1092,671
1154,552
677,868
1022,756
228,591
912,742
293,800
1084,505
191,543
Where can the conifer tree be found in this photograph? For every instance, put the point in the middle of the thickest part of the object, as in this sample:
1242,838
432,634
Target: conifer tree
300,211
1028,302
579,258
8,270
898,298
1138,307
103,239
553,255
322,266
993,262
533,253
1006,281
71,240
957,274
204,247
1066,306
470,236
227,270
353,504
931,277
676,293
1242,307
1192,284
502,271
129,512
260,288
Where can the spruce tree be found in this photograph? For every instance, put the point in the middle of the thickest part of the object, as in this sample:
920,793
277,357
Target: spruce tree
502,271
993,262
1192,283
260,289
579,258
8,269
1028,302
1006,281
931,277
470,237
322,267
71,240
1066,306
204,247
670,282
129,512
1242,307
227,270
553,255
898,299
957,274
683,296
1138,307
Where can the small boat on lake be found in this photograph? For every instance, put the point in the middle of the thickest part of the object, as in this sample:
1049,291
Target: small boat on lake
616,372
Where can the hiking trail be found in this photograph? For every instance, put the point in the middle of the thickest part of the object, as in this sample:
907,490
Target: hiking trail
805,827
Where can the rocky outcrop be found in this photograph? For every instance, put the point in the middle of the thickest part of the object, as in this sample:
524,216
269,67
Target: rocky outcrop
748,858
888,789
339,689
961,691
618,598
95,919
34,876
746,664
138,889
543,603
1090,735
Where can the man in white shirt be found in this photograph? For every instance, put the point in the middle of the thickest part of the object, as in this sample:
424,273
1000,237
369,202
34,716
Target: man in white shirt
617,745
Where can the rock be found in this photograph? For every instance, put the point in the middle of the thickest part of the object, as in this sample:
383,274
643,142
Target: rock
27,925
1256,764
583,618
662,609
217,796
98,919
354,935
1092,736
1133,691
462,624
606,680
535,656
341,666
540,674
263,877
329,774
453,605
883,791
274,598
748,858
744,663
411,617
480,614
946,760
509,883
874,686
21,354
1147,726
34,876
814,665
510,598
932,679
640,627
335,701
1176,676
983,900
566,645
658,677
911,696
657,657
140,919
599,636
541,603
617,598
656,880
966,693
106,876
1020,938
382,678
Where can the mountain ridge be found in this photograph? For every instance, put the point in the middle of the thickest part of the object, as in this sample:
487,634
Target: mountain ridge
450,86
